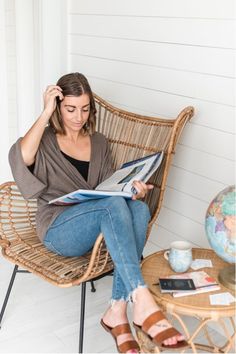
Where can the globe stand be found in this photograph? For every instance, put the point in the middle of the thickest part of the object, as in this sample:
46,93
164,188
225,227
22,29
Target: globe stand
227,277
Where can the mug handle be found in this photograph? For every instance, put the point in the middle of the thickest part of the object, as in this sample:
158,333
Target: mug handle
166,255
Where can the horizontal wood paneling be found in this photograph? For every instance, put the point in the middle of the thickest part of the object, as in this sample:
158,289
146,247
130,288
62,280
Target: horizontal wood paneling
191,85
188,31
185,205
213,167
127,74
215,115
195,185
167,8
162,238
182,227
164,55
198,137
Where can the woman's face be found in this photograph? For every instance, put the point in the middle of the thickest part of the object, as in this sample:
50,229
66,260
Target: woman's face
75,112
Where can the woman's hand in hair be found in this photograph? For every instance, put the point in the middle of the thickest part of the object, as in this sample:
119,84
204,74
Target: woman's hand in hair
49,97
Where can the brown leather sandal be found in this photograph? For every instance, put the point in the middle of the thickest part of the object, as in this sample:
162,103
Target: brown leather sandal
121,329
163,335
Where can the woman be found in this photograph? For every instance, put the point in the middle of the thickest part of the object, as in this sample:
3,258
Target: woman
62,152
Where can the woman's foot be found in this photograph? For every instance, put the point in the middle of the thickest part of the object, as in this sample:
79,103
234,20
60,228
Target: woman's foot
145,306
116,316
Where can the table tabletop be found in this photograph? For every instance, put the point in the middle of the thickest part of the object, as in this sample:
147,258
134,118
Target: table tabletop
156,266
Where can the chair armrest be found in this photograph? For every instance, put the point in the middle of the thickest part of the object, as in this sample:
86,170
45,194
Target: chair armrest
4,243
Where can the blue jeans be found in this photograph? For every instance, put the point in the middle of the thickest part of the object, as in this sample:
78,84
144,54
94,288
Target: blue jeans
123,224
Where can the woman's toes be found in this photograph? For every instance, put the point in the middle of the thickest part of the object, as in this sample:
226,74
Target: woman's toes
170,341
180,337
173,340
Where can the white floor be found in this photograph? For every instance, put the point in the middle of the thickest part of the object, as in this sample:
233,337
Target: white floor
41,318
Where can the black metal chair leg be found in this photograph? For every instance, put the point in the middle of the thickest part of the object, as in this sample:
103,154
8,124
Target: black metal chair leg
82,311
93,289
8,293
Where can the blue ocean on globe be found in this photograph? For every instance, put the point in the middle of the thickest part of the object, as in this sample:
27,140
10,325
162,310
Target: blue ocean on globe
220,224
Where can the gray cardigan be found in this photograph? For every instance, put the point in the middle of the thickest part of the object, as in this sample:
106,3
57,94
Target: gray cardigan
54,175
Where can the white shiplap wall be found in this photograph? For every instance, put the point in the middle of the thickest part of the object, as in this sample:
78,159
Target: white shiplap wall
8,95
11,66
156,57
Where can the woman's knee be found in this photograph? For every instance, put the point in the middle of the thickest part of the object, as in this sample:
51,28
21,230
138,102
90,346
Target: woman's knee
140,210
116,205
116,201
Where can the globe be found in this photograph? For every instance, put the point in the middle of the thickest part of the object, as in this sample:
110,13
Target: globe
220,224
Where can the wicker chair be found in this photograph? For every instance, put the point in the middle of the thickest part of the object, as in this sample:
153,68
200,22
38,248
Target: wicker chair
131,136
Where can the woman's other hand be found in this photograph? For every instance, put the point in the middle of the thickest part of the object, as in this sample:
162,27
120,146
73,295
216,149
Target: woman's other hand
141,188
49,97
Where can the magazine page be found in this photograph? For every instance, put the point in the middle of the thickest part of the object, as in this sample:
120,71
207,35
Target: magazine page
141,170
83,195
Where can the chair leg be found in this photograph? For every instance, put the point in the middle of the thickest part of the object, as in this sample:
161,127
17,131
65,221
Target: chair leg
82,311
93,289
8,293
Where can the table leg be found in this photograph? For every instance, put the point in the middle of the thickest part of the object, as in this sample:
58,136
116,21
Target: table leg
208,337
214,348
230,342
185,331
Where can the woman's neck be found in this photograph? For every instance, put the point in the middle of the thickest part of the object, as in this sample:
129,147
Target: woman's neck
74,137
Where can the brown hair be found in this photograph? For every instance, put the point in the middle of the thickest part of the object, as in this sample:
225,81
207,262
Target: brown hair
74,84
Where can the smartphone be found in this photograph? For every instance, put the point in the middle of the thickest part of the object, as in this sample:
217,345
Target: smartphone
173,285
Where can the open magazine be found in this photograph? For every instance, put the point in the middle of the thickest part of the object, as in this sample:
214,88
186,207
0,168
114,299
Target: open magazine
119,183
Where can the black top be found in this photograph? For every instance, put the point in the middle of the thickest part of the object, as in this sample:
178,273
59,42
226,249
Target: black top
81,166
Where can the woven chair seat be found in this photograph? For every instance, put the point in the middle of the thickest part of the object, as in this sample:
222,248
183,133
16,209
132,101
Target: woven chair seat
31,254
22,246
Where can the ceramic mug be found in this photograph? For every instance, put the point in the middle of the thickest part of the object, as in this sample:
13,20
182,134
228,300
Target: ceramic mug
179,256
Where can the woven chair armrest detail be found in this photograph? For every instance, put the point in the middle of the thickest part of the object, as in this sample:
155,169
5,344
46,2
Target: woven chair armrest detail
4,243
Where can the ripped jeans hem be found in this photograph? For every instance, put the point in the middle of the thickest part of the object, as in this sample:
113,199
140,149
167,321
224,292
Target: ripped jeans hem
130,298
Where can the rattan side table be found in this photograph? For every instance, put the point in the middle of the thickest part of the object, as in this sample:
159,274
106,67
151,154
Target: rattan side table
198,306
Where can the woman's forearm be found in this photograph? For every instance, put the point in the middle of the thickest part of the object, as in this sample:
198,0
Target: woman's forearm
31,140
